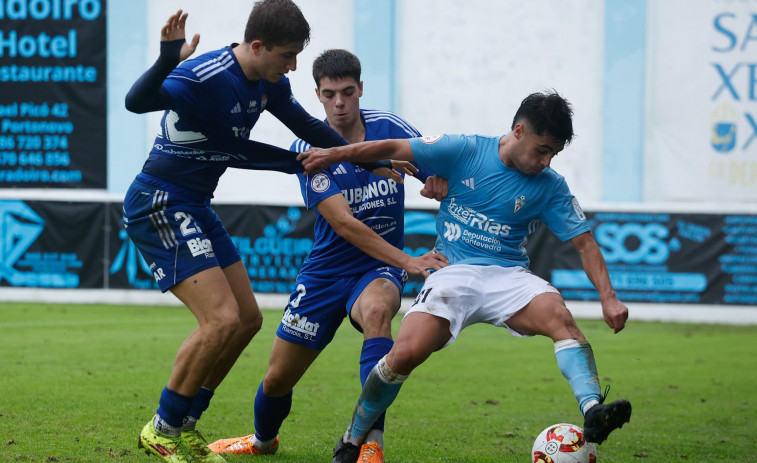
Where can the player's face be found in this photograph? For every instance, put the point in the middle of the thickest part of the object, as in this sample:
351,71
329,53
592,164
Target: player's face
272,64
533,153
341,101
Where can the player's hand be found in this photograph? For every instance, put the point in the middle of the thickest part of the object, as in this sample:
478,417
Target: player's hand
173,29
389,173
435,188
615,314
423,265
404,166
316,159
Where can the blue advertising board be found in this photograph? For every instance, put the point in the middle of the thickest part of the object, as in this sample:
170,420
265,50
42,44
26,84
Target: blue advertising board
53,99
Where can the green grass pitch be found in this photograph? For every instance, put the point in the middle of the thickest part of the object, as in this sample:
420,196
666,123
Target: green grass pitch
77,383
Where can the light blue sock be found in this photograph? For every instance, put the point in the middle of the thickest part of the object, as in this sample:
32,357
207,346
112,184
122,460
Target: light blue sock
373,350
576,361
379,391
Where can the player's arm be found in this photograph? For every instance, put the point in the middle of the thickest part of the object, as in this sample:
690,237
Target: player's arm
337,213
317,159
147,94
614,311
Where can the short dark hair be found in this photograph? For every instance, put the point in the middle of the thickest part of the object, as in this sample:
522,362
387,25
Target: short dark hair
336,64
276,23
548,114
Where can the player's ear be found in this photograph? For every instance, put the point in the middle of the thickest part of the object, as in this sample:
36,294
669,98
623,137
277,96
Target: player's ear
360,87
519,131
257,46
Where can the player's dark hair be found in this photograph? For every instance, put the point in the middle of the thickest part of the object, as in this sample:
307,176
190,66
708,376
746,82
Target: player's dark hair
548,114
277,23
336,64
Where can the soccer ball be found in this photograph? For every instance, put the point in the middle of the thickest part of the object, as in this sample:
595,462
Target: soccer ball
563,443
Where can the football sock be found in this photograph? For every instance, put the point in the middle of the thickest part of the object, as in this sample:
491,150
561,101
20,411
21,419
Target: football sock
576,361
200,403
373,350
379,391
172,409
270,412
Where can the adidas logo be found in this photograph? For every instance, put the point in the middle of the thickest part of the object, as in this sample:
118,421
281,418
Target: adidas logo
469,183
340,170
236,109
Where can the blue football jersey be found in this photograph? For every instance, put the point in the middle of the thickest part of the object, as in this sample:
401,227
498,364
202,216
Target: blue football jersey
376,201
490,208
215,107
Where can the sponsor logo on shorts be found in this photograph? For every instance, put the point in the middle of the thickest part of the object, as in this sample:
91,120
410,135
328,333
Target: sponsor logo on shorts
199,246
158,274
299,326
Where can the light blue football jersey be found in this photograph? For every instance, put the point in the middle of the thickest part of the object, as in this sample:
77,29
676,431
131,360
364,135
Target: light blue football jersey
491,209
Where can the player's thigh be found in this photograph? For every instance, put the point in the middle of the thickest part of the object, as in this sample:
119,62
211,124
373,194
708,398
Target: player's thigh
239,282
546,315
208,295
286,365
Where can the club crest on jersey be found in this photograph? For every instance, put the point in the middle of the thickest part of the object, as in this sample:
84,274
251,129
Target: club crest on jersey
430,140
320,183
519,203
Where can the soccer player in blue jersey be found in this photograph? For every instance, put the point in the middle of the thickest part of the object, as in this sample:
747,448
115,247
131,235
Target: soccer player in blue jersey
499,189
356,269
211,104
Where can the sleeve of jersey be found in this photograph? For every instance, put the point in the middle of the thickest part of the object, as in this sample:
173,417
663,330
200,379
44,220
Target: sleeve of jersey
240,153
147,93
563,214
439,154
317,187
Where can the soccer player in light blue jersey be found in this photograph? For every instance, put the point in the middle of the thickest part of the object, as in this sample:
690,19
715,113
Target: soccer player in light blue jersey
500,188
211,104
357,268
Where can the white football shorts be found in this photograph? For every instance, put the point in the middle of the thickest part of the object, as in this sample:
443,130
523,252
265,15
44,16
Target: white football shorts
468,294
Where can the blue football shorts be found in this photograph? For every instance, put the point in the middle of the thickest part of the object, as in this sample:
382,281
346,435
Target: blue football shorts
175,229
317,306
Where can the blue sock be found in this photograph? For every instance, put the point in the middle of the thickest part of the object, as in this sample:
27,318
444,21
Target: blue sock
270,412
376,397
200,403
173,407
576,361
373,350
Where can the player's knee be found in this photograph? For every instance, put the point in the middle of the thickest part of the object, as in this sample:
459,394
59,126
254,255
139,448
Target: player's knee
274,385
250,323
564,326
403,358
375,319
225,322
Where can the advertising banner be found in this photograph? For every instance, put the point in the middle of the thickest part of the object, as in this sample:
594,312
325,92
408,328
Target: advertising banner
659,258
701,105
52,244
53,99
652,257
